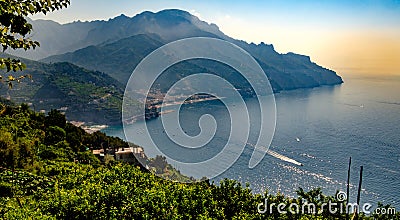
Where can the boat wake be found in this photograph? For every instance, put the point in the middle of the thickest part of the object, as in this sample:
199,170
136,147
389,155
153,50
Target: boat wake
277,155
284,158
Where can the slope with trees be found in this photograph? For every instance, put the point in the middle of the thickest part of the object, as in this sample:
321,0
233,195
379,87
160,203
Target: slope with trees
84,95
15,30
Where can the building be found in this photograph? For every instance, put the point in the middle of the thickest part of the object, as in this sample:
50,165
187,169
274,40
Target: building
129,154
151,111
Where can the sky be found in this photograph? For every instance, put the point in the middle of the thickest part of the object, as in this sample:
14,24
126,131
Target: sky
350,37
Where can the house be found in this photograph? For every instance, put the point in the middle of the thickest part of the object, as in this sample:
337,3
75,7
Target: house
122,154
129,154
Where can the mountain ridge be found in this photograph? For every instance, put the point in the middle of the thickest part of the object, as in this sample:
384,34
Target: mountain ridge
286,71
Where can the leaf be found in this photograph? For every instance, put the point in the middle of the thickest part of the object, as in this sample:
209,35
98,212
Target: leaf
11,78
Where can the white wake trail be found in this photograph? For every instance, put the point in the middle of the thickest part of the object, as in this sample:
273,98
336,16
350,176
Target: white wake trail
278,156
284,158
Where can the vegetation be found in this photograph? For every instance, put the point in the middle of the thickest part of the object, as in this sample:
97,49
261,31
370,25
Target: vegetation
14,29
84,95
47,172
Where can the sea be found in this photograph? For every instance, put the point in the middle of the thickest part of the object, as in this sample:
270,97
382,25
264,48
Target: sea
321,128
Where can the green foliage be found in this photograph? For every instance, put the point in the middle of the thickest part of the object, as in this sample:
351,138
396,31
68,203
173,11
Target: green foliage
7,147
54,134
75,137
28,137
5,189
48,152
88,158
389,212
109,159
14,29
77,191
55,118
160,163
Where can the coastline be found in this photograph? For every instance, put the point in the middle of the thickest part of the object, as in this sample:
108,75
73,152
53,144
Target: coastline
89,128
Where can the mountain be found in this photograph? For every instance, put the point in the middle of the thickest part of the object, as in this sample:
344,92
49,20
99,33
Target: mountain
136,37
118,59
116,46
61,38
84,95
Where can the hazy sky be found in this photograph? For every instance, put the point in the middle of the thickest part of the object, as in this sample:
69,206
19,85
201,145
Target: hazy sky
347,36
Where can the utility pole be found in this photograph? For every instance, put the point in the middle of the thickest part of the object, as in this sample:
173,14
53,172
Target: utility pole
359,185
348,188
359,194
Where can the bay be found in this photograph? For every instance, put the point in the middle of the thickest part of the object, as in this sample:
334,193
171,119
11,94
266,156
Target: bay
320,128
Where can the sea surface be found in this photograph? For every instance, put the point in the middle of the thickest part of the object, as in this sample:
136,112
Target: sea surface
320,128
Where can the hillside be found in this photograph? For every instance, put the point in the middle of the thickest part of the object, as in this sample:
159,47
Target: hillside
84,95
117,59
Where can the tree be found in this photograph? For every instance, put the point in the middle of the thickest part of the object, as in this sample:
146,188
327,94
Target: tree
14,30
55,118
54,134
160,163
7,149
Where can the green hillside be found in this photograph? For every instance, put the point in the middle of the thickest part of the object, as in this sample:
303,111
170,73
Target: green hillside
117,59
84,95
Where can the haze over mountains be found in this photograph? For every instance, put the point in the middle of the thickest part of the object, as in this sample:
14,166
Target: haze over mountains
116,46
100,41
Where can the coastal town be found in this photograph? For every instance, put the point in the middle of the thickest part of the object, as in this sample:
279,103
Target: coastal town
155,104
